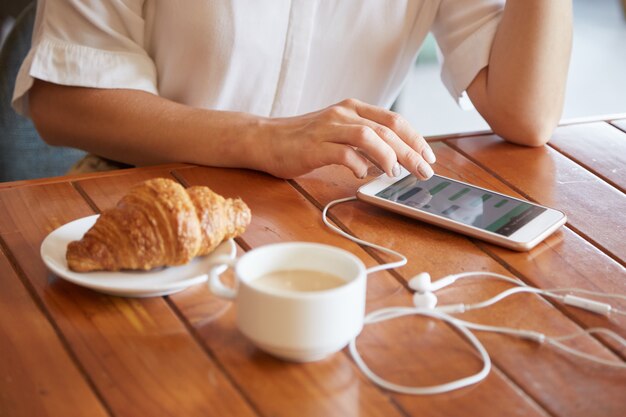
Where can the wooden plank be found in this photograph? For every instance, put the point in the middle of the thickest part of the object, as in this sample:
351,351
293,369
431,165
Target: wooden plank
334,386
599,147
592,119
562,385
108,191
78,177
620,123
546,176
563,122
141,358
37,376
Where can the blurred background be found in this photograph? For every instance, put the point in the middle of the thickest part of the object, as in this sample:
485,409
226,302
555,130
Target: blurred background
596,86
596,82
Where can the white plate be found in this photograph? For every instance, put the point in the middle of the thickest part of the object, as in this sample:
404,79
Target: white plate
128,283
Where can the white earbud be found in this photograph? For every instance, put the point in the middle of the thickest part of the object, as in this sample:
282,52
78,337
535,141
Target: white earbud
420,283
443,282
426,300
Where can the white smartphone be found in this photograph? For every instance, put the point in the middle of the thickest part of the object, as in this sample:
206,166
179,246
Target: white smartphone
465,208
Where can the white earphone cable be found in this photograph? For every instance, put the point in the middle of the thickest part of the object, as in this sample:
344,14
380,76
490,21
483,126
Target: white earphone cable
501,296
554,340
586,292
396,312
569,298
613,309
336,229
442,313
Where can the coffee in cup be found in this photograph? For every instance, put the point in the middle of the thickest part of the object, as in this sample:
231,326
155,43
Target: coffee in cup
298,280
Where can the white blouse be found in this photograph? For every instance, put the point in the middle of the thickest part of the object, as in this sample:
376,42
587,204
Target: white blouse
266,57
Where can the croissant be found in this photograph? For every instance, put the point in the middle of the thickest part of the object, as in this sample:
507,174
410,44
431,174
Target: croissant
158,223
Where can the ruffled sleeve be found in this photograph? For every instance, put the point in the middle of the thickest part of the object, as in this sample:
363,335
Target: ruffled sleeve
464,30
87,44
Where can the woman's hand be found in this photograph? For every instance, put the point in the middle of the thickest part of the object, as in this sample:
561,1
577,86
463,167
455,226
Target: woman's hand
341,134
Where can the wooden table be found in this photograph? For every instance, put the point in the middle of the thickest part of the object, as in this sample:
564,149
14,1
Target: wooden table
68,351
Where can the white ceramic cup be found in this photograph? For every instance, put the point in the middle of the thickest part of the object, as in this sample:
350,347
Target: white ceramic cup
296,325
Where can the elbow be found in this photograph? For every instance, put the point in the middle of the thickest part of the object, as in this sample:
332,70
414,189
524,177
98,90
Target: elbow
529,131
523,122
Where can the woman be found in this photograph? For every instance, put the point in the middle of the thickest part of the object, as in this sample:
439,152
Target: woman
284,86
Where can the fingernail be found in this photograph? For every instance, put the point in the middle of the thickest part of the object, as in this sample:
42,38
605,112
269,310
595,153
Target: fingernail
395,171
429,155
425,170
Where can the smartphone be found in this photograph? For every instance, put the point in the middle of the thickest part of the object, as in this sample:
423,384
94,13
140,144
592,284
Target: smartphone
474,211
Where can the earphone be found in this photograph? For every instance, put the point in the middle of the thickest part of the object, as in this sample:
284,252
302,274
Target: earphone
424,296
426,304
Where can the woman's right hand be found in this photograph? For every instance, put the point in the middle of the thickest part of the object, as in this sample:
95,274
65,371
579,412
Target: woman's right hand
338,135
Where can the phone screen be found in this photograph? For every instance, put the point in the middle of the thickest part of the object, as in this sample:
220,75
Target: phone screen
463,203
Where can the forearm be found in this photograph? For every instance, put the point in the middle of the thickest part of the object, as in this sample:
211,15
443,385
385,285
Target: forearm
139,128
521,92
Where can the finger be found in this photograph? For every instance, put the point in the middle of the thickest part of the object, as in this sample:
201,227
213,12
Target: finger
376,148
337,154
372,162
406,155
400,126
